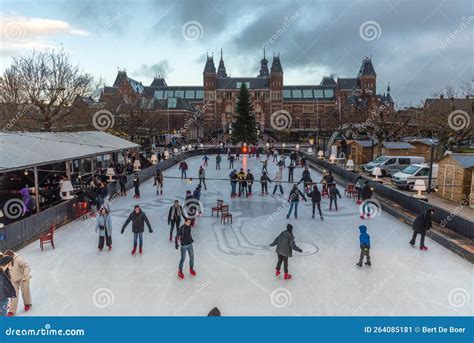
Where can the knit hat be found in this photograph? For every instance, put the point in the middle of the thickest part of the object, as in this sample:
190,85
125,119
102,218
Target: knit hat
289,227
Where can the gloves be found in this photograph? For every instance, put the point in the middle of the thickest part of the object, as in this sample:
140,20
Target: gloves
151,231
176,245
122,231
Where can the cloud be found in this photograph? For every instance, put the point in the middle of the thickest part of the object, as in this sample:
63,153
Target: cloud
161,68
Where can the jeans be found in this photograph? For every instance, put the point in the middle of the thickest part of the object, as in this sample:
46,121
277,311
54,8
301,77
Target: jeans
231,164
204,182
290,175
264,188
183,173
137,191
295,205
218,166
250,188
122,188
319,208
422,240
276,187
107,239
283,259
189,249
233,186
138,236
242,189
4,306
331,200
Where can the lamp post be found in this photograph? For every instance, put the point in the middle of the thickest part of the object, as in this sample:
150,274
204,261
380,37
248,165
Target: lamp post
377,172
350,165
321,154
430,174
419,187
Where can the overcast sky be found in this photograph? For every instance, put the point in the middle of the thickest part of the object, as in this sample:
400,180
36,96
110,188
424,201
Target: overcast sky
418,46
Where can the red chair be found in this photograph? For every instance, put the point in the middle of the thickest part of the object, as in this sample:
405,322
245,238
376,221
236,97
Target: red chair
325,191
217,208
81,210
225,215
47,237
350,190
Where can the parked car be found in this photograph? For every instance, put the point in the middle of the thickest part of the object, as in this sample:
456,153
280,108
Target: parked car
407,177
392,164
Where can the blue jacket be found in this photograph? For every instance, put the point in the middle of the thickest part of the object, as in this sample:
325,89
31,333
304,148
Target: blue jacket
364,237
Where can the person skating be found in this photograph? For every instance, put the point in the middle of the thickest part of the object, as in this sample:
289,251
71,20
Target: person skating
103,225
185,240
278,178
183,166
231,161
315,196
281,165
294,199
138,219
202,177
366,195
136,186
359,185
264,179
422,224
233,183
7,291
158,182
242,182
265,165
275,156
333,194
123,184
205,160
364,240
174,217
285,243
20,273
250,180
218,162
306,178
291,169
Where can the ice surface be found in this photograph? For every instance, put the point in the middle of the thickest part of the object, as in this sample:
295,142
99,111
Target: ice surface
235,267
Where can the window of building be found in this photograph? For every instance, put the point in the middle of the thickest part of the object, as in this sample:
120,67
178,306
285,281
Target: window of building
179,94
239,84
189,94
318,93
297,93
172,102
159,95
287,93
169,94
296,123
307,123
228,95
329,93
199,94
307,93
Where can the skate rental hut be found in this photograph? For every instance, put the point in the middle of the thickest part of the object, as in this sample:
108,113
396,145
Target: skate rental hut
455,178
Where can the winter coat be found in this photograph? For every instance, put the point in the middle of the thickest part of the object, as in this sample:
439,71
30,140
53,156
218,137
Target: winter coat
218,159
285,243
241,177
423,222
330,179
183,166
138,222
364,238
197,194
250,178
278,177
360,183
366,192
6,288
334,193
136,181
123,179
175,213
315,195
28,201
20,269
105,221
306,175
158,179
184,235
202,173
265,179
233,177
295,195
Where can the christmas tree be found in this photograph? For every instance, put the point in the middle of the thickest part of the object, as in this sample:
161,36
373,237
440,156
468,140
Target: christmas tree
244,129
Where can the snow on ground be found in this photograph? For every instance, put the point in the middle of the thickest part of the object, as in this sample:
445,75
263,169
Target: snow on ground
235,266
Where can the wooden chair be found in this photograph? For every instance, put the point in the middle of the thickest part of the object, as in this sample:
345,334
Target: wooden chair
81,209
47,237
350,190
225,215
217,208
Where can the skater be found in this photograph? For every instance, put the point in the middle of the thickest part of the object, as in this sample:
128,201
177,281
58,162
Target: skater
422,224
264,179
358,186
364,240
197,193
218,162
278,178
103,225
231,161
264,167
306,178
291,168
294,199
136,185
237,154
285,243
123,183
184,238
174,217
205,159
233,183
250,180
366,195
293,158
303,162
7,291
202,177
281,165
20,278
315,196
158,182
329,178
275,156
242,182
138,219
333,194
183,166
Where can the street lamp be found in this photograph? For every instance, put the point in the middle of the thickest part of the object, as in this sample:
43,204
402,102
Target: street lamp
377,172
332,159
419,187
350,165
321,154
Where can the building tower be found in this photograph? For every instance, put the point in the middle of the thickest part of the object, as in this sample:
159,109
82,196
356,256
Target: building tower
367,77
264,72
276,88
221,72
210,86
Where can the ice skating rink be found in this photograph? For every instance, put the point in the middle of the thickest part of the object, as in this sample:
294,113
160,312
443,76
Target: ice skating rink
235,267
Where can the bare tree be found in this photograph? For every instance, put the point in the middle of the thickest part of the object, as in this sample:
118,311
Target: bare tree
46,84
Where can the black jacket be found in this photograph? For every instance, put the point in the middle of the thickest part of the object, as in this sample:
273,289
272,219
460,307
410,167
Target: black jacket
136,181
423,222
315,195
285,243
250,178
138,222
295,195
334,193
366,192
123,179
173,214
6,290
184,235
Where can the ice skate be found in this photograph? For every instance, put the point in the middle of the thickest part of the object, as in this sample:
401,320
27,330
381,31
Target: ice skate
28,307
277,272
134,250
424,248
192,271
359,264
287,276
180,274
368,263
140,250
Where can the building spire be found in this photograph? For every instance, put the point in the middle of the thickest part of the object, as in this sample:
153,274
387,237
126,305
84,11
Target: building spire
388,88
221,71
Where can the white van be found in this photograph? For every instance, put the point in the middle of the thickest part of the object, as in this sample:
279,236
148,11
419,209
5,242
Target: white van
407,177
392,164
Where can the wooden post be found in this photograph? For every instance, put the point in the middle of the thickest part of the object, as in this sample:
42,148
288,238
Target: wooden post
37,198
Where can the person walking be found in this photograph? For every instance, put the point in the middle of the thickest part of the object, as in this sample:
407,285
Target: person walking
136,185
231,161
364,241
333,194
250,179
366,195
264,179
202,177
315,196
218,162
138,219
233,183
285,243
158,182
174,217
183,166
278,178
7,290
421,225
20,273
185,240
294,199
123,184
291,169
103,225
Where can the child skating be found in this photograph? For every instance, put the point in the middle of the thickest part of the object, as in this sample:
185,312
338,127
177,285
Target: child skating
364,240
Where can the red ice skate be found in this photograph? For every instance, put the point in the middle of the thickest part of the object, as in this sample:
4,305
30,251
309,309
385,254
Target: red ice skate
424,248
277,272
171,237
287,276
192,271
140,250
180,274
27,307
10,314
134,250
110,247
